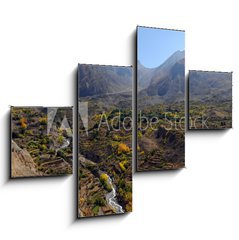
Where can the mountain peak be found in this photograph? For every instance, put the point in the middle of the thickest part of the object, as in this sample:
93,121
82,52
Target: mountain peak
175,57
168,81
178,55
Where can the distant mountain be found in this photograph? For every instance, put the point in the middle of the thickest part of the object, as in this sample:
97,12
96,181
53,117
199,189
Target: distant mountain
99,80
166,81
210,86
144,75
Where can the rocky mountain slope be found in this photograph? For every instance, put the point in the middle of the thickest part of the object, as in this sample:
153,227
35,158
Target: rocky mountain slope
99,80
167,81
210,86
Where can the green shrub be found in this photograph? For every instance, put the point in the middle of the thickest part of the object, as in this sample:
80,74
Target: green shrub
99,201
95,210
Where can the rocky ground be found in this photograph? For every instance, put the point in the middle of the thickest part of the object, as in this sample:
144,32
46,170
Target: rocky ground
162,151
41,153
92,194
210,115
105,153
161,145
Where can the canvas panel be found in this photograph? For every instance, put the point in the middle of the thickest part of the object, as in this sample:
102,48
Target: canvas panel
210,100
160,99
41,141
105,140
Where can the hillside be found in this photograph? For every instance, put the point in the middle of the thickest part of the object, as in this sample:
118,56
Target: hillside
41,141
210,98
105,149
166,82
99,80
210,86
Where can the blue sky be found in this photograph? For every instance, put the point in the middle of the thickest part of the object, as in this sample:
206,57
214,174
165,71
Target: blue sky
156,45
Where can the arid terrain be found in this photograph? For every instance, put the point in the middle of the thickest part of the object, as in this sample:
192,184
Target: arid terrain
161,142
161,115
105,144
210,100
41,141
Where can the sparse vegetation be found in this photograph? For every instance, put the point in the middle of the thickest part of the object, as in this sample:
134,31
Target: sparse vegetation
105,150
161,144
210,115
210,100
29,132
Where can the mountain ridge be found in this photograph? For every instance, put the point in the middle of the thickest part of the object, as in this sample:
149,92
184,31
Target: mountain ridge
166,81
210,86
99,80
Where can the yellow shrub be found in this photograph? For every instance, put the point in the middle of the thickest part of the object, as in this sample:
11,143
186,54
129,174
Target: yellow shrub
82,200
104,177
60,139
139,134
43,120
129,207
116,138
60,130
23,122
122,167
123,148
43,147
128,196
24,125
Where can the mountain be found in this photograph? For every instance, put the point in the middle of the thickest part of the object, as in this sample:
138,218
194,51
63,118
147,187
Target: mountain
166,81
144,75
99,80
210,86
